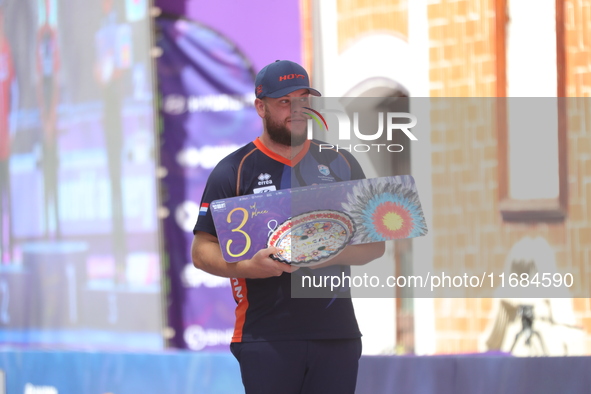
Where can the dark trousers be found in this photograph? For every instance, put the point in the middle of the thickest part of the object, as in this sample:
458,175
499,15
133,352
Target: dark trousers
299,367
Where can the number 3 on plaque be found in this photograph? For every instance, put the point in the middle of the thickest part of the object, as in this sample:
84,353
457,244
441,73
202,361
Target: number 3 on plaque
239,230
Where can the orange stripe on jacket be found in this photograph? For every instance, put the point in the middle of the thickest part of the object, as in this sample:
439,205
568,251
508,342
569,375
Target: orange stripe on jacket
240,293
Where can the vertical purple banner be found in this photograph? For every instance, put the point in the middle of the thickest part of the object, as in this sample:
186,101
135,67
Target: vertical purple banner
207,111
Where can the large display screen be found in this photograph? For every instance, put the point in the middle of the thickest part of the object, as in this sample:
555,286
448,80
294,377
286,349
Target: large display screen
79,232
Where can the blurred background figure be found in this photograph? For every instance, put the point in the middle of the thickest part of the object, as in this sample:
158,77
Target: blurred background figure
48,67
8,104
534,326
108,73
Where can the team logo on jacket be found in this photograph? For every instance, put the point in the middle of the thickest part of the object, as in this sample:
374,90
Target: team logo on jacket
264,179
324,170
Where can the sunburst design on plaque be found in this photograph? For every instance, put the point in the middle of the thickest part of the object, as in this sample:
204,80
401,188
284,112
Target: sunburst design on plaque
384,210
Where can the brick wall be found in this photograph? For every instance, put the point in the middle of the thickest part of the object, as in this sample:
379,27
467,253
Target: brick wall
467,238
462,64
467,226
578,77
357,18
462,52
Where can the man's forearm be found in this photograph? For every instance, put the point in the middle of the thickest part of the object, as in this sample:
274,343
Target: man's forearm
207,256
356,255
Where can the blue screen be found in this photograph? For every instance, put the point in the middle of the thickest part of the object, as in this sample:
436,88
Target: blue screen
79,233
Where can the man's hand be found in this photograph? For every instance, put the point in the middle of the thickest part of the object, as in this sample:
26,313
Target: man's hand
359,254
261,265
207,256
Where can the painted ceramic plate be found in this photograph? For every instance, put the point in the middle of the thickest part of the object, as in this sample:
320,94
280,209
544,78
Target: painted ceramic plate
313,237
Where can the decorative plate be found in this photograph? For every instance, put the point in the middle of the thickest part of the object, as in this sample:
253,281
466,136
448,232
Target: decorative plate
313,237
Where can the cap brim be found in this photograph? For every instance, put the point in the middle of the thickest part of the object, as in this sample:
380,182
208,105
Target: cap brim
286,91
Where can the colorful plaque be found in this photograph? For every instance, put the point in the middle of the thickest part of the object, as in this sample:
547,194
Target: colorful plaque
314,223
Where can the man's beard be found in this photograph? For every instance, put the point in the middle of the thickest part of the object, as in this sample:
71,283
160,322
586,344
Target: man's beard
280,134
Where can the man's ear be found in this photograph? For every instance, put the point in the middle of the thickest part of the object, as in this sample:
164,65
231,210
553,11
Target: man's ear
260,107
